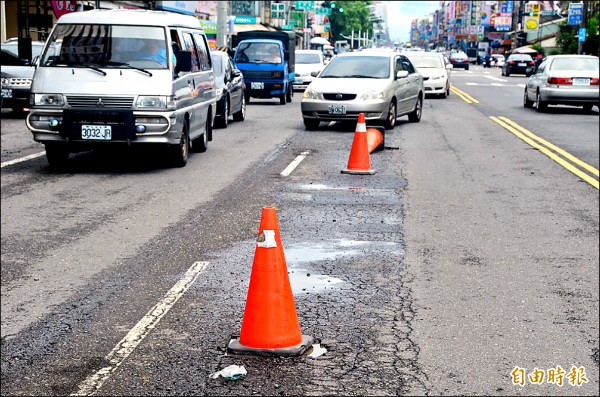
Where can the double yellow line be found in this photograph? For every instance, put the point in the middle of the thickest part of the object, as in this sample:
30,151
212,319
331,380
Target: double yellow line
567,160
463,95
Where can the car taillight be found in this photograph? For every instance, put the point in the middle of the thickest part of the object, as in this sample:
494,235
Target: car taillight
512,63
594,81
531,62
560,80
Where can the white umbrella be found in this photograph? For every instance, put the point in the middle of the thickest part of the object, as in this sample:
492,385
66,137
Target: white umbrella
319,40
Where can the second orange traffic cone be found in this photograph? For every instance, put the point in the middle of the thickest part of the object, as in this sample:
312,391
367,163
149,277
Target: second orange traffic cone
359,161
270,325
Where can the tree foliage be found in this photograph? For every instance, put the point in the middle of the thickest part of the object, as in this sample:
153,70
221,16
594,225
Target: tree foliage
354,17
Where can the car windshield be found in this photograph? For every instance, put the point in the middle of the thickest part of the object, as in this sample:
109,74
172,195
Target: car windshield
257,53
307,58
108,45
368,67
427,62
573,63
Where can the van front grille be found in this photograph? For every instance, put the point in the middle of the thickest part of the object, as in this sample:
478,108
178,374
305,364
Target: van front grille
75,101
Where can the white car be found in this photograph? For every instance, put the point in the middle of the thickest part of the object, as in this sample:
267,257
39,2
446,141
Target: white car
498,60
307,61
435,71
384,85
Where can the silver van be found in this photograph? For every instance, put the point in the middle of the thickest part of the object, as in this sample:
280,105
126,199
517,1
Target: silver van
124,77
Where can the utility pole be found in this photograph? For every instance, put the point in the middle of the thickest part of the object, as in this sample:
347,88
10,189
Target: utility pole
584,26
222,23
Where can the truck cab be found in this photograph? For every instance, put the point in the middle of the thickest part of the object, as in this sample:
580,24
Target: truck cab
266,59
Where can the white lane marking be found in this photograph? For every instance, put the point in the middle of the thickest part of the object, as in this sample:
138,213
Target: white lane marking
20,160
495,78
292,166
472,83
128,344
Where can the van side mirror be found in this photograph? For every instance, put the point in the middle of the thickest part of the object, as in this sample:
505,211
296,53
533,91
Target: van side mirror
184,61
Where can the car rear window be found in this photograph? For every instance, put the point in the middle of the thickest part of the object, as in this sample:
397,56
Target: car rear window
308,58
574,64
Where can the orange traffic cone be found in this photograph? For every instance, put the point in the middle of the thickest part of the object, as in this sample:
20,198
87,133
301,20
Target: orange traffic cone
359,161
270,325
375,138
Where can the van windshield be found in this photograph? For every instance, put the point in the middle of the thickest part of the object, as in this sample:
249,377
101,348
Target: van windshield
108,46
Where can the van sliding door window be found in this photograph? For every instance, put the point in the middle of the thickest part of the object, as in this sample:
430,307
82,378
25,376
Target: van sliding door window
202,48
189,46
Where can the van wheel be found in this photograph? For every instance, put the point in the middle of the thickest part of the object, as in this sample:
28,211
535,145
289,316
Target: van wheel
415,116
57,154
241,115
200,144
181,151
282,99
289,93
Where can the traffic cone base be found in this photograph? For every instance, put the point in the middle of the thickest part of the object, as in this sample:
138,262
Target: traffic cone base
235,347
359,161
270,325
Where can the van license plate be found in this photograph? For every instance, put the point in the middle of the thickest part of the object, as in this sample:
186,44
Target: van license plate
580,81
101,132
7,93
257,85
337,109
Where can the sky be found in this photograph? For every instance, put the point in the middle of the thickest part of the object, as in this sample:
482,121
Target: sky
401,13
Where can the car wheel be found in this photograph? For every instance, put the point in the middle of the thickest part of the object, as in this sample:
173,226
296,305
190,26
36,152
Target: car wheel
181,151
507,73
241,115
540,105
311,124
467,67
526,102
224,118
200,144
247,98
415,116
390,121
57,154
448,90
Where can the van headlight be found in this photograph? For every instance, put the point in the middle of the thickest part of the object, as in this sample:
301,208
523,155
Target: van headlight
312,94
372,95
48,100
152,102
277,74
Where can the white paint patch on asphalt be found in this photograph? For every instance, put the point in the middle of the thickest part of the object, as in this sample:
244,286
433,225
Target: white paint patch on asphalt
20,160
137,334
288,170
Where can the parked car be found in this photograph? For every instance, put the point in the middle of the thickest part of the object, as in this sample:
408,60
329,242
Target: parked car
518,64
17,74
384,85
564,80
436,74
459,60
498,60
307,61
231,89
